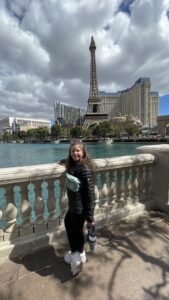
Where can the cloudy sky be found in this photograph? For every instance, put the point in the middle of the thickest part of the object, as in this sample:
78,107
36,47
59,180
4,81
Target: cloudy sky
44,52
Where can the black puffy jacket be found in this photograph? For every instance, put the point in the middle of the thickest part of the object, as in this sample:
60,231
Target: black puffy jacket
82,202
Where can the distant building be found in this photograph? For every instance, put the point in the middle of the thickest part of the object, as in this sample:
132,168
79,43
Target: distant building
125,121
138,101
163,125
66,114
12,124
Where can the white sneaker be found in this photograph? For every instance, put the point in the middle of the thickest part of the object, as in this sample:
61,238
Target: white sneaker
76,263
68,257
83,257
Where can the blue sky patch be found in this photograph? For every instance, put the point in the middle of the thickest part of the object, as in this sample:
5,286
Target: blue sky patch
17,13
167,13
125,6
107,27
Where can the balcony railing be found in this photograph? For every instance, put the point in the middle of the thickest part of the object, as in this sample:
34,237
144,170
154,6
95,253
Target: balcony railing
33,199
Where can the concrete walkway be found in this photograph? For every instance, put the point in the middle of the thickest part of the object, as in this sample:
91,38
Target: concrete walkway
131,263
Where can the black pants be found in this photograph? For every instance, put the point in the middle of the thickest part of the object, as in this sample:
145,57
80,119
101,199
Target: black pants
74,227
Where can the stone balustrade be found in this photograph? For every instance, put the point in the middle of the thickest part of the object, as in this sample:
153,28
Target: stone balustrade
33,199
160,175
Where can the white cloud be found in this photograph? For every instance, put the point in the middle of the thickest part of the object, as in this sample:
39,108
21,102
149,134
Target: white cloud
21,50
44,53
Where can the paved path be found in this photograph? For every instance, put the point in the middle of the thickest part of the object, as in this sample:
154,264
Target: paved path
131,263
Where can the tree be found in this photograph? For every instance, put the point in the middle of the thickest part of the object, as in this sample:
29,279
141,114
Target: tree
76,132
86,132
96,130
31,134
56,131
7,137
42,133
22,135
15,135
39,134
117,130
131,129
103,129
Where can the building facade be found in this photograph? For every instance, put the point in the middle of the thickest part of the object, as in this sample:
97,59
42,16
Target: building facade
138,101
163,125
12,124
68,115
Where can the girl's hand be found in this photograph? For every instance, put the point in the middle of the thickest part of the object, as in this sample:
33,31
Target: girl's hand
89,224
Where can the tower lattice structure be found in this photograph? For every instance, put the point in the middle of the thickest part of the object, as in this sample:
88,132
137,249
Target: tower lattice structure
95,112
94,93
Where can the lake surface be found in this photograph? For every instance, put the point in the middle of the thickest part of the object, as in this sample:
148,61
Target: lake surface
13,155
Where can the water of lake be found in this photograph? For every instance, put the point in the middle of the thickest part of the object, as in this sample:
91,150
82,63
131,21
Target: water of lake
13,155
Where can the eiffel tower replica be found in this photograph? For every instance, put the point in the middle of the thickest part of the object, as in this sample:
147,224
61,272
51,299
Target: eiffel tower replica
95,113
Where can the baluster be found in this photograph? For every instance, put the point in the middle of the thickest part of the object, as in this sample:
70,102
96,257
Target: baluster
52,203
57,192
134,185
147,183
141,186
26,226
112,190
31,198
11,229
96,190
3,205
18,201
63,199
104,190
99,185
40,222
44,187
128,186
1,231
13,212
120,187
98,182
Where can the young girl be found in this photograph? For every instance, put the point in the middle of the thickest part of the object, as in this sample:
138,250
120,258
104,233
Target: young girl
80,204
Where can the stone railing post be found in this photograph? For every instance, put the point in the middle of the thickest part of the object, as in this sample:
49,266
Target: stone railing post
160,174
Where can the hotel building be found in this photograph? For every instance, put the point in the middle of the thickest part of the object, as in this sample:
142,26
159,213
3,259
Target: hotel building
138,101
66,114
12,124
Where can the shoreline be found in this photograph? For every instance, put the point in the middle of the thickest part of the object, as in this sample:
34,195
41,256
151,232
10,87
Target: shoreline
95,142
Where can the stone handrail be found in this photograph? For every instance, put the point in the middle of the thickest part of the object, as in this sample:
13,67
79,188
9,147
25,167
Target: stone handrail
27,173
